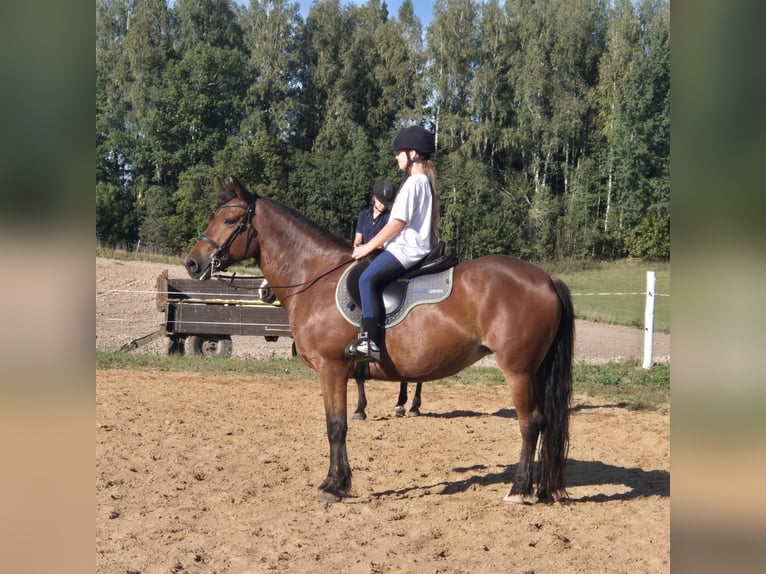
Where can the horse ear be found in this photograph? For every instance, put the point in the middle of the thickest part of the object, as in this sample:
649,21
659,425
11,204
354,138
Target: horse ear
240,190
222,184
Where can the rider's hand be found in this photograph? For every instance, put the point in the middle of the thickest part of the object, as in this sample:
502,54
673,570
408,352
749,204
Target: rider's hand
361,251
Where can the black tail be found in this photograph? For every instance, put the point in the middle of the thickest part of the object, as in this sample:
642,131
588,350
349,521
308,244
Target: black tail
556,375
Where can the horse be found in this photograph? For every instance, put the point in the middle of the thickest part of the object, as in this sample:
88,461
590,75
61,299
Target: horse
499,304
401,401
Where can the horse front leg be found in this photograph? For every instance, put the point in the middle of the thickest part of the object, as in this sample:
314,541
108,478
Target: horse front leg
361,403
338,481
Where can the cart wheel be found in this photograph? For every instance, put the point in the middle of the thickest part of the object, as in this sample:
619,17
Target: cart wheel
175,347
208,345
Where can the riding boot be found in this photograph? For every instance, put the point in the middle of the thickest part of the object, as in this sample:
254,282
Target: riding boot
365,347
370,325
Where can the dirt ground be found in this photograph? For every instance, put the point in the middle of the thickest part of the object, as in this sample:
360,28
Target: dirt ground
206,474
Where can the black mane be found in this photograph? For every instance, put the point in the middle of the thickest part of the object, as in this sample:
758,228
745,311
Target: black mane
307,222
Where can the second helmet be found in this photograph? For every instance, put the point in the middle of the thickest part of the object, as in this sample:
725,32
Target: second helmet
385,192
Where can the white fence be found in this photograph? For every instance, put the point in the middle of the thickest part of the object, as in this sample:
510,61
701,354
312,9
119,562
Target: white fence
651,283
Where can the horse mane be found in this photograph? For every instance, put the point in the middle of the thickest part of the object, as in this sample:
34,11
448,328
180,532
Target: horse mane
316,228
229,193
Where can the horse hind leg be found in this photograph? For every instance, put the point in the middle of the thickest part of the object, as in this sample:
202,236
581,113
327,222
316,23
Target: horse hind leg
530,424
399,409
415,407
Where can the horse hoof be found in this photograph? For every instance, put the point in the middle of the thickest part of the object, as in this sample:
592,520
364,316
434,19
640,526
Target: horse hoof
398,411
359,417
327,497
413,413
519,498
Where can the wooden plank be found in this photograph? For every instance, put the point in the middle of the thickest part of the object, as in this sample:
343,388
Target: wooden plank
236,288
197,319
161,287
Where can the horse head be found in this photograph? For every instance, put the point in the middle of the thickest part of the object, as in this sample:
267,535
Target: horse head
230,236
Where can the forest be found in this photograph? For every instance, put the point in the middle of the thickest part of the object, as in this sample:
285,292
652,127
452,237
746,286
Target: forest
551,117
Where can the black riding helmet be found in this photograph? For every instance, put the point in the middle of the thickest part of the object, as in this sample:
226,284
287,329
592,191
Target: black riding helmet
385,192
417,138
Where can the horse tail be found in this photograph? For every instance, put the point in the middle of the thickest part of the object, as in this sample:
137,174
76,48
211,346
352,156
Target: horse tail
556,376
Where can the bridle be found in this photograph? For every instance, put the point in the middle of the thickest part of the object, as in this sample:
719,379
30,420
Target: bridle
221,256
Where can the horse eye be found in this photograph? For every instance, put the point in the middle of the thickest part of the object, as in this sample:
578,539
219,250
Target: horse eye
230,220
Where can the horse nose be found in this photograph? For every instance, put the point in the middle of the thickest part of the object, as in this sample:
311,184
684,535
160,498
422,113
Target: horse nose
192,266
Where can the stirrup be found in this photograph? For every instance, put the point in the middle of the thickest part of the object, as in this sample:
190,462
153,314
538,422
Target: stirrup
363,349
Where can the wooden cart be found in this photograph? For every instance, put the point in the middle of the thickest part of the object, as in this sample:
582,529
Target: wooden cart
201,316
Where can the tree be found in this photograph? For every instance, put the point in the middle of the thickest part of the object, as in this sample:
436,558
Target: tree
193,202
116,218
115,211
453,39
399,71
614,92
270,31
201,107
209,22
148,52
155,212
551,116
633,99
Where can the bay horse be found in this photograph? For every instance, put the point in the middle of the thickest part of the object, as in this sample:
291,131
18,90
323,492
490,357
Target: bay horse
401,401
498,304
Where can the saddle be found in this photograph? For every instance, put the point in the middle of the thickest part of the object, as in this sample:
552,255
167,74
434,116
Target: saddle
428,281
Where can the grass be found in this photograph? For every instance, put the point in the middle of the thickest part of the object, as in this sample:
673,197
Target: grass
625,384
275,367
624,276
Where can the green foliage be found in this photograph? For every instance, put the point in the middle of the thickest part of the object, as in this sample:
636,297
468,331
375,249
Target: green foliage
116,219
195,200
650,239
156,212
552,118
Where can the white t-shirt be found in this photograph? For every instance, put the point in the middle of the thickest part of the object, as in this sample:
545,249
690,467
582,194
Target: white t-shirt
413,206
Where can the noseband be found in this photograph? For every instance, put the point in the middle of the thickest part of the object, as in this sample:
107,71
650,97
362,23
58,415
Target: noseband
221,255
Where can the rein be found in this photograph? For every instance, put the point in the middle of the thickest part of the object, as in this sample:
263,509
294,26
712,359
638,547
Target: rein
310,282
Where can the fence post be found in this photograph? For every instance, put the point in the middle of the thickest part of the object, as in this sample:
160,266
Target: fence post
651,282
